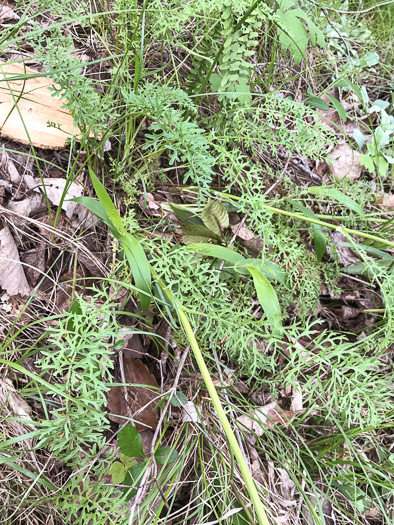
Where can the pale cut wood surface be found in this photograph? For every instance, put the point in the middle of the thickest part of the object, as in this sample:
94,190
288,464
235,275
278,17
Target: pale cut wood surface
36,107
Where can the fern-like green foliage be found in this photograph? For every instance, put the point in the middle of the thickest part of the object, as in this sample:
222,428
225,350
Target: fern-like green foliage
174,132
281,122
58,56
79,356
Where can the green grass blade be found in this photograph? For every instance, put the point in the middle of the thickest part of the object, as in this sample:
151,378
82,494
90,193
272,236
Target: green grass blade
139,267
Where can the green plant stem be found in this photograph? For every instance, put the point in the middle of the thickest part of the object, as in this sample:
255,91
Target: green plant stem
249,482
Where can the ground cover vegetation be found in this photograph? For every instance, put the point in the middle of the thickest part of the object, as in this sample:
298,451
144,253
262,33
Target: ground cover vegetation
196,288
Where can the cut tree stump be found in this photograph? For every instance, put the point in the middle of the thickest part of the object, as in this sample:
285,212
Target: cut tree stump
26,107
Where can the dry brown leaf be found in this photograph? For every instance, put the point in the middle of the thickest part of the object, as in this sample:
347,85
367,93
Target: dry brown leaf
6,14
347,256
8,169
10,397
141,400
287,486
297,399
244,233
386,201
190,414
266,416
12,276
35,264
36,107
54,189
149,205
345,162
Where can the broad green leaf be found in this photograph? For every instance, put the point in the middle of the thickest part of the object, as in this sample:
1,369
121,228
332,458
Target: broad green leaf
316,102
344,82
367,270
244,95
215,217
166,455
268,300
319,238
106,201
315,34
338,106
220,252
337,195
367,162
368,249
382,165
359,138
130,442
370,59
268,268
127,461
179,399
118,472
194,233
357,497
97,209
139,266
133,479
215,79
295,37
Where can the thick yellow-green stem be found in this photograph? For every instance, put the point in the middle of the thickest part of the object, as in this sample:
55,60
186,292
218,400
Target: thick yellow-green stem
233,443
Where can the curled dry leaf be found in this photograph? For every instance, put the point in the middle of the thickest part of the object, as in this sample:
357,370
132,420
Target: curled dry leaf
190,414
347,256
7,14
13,401
244,233
297,399
54,189
12,276
8,170
266,416
345,162
35,263
149,205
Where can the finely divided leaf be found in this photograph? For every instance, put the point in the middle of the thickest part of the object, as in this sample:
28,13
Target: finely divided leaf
268,300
